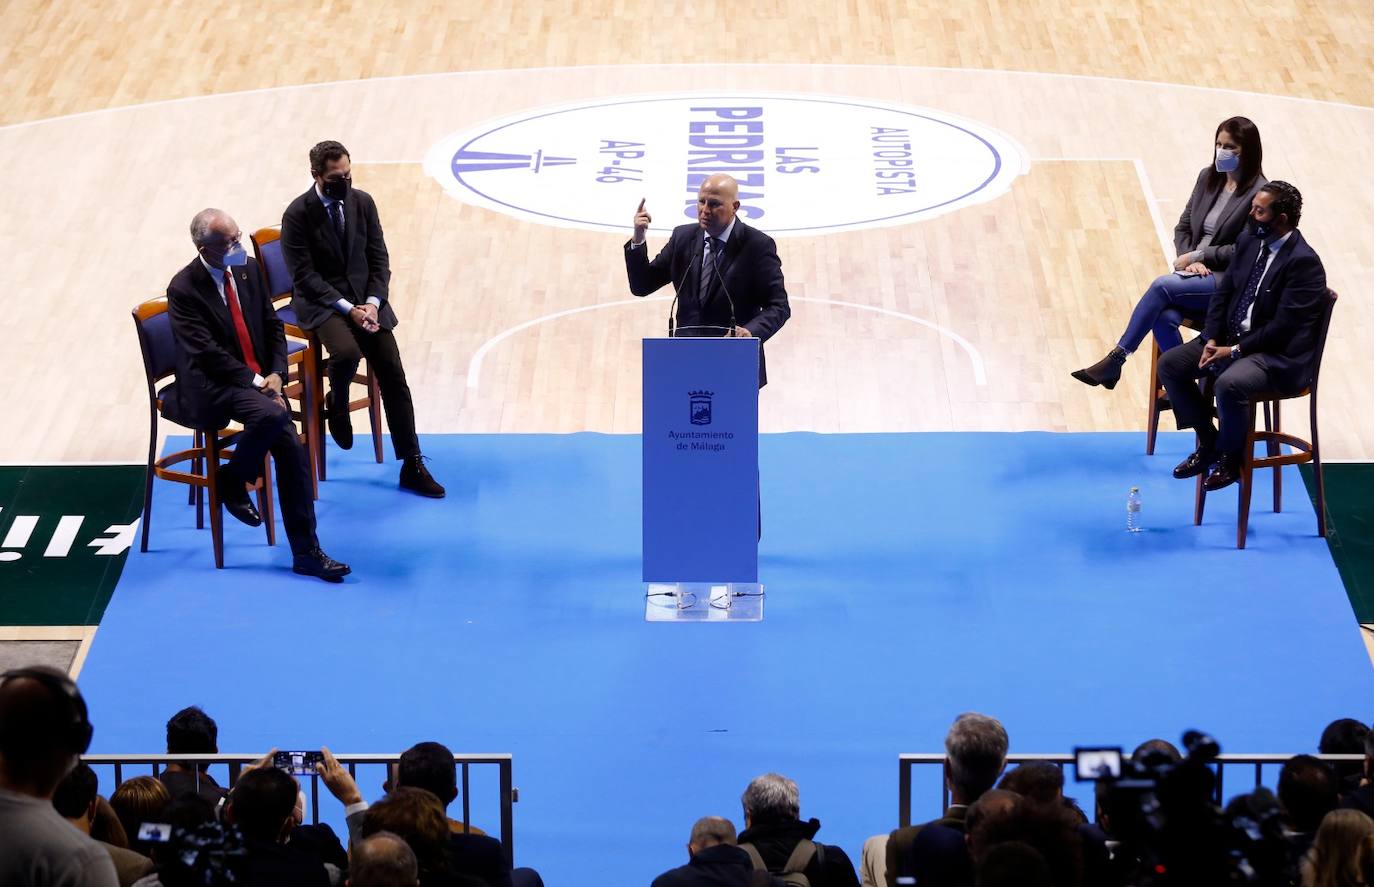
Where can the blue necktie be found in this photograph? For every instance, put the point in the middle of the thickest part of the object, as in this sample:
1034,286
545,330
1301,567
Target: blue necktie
1251,291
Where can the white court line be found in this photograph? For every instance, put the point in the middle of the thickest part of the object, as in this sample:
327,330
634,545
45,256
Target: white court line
475,364
807,66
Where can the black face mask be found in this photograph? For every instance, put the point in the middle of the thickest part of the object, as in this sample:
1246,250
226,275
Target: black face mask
1262,230
336,189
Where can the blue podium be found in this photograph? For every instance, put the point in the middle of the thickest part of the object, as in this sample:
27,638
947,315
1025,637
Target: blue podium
701,462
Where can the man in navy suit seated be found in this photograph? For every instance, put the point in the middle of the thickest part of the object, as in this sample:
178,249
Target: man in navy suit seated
1261,334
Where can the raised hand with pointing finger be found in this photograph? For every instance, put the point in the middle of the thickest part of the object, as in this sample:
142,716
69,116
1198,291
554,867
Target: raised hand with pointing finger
642,220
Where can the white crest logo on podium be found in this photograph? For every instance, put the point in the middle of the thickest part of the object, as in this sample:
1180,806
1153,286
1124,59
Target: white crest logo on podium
806,164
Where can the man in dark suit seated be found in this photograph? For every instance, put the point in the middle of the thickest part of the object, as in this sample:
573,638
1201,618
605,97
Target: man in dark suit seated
231,360
727,275
1261,335
331,239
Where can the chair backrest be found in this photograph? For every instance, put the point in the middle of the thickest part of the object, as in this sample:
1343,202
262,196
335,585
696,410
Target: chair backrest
1323,326
155,339
277,277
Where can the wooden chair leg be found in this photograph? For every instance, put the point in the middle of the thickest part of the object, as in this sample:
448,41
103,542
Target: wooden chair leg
265,507
1247,478
308,396
1199,501
212,491
1274,450
1318,474
148,483
374,412
1152,411
202,442
317,419
193,491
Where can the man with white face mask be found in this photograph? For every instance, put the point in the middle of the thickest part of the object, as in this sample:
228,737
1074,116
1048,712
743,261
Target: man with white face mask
231,359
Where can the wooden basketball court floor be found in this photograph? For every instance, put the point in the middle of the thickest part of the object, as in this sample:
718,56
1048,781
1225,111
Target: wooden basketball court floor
121,120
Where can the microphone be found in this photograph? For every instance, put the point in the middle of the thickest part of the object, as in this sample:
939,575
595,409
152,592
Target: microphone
725,289
672,309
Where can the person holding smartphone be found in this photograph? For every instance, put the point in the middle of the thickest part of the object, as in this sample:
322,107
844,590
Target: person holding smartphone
1205,238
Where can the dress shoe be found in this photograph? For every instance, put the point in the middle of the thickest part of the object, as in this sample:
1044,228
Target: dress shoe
1106,372
1197,462
234,497
340,426
416,478
316,563
1226,472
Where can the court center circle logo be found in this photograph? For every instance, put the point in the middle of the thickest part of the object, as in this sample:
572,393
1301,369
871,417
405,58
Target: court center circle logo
806,165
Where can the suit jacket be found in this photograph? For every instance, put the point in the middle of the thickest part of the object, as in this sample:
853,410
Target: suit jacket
281,865
1287,310
208,356
750,278
1188,232
900,841
323,270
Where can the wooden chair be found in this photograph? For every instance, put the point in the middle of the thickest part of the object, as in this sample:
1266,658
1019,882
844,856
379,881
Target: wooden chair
209,445
1274,439
267,246
1159,398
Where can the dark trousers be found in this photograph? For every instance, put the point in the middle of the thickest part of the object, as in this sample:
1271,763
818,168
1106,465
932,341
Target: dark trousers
1235,385
347,345
267,427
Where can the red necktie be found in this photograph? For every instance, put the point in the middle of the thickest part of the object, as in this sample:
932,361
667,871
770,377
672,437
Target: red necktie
231,298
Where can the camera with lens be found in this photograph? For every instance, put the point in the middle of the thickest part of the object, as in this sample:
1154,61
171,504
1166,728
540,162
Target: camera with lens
1166,828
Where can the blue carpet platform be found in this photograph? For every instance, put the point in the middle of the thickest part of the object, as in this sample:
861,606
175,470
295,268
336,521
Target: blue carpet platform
910,577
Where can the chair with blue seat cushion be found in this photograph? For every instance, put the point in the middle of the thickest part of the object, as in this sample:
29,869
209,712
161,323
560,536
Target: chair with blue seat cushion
209,445
277,277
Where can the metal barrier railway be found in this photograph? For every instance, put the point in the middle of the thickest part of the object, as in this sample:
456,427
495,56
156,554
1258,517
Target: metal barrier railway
906,766
508,794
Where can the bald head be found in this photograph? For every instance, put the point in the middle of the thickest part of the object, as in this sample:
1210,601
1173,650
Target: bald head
37,730
717,203
710,831
382,860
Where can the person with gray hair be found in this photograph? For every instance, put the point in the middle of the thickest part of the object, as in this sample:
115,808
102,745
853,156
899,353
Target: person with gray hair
778,841
975,755
230,351
382,860
713,860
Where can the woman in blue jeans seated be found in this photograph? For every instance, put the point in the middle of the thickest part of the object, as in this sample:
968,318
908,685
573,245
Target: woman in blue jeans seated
1205,238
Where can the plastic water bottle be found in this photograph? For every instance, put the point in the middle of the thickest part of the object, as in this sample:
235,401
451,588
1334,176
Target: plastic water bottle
1133,510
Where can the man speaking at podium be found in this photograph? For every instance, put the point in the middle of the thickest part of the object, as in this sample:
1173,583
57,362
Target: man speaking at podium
727,276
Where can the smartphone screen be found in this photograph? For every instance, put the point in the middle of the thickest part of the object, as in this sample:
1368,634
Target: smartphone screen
297,763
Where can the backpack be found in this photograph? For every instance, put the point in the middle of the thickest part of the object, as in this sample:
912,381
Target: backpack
792,870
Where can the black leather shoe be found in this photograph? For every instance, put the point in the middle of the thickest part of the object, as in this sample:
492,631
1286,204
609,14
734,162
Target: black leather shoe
1197,462
1226,472
234,497
340,426
1106,372
416,478
316,563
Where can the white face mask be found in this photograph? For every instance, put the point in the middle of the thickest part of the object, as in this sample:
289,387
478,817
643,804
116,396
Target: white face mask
1227,160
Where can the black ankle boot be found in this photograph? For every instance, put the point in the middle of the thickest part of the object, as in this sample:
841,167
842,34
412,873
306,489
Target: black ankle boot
1106,372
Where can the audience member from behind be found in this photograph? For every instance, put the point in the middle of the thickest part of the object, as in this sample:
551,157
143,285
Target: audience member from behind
43,730
261,806
1307,791
417,817
1362,798
976,752
1334,860
1049,828
192,732
1014,864
782,841
382,860
713,859
78,800
1345,736
136,801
